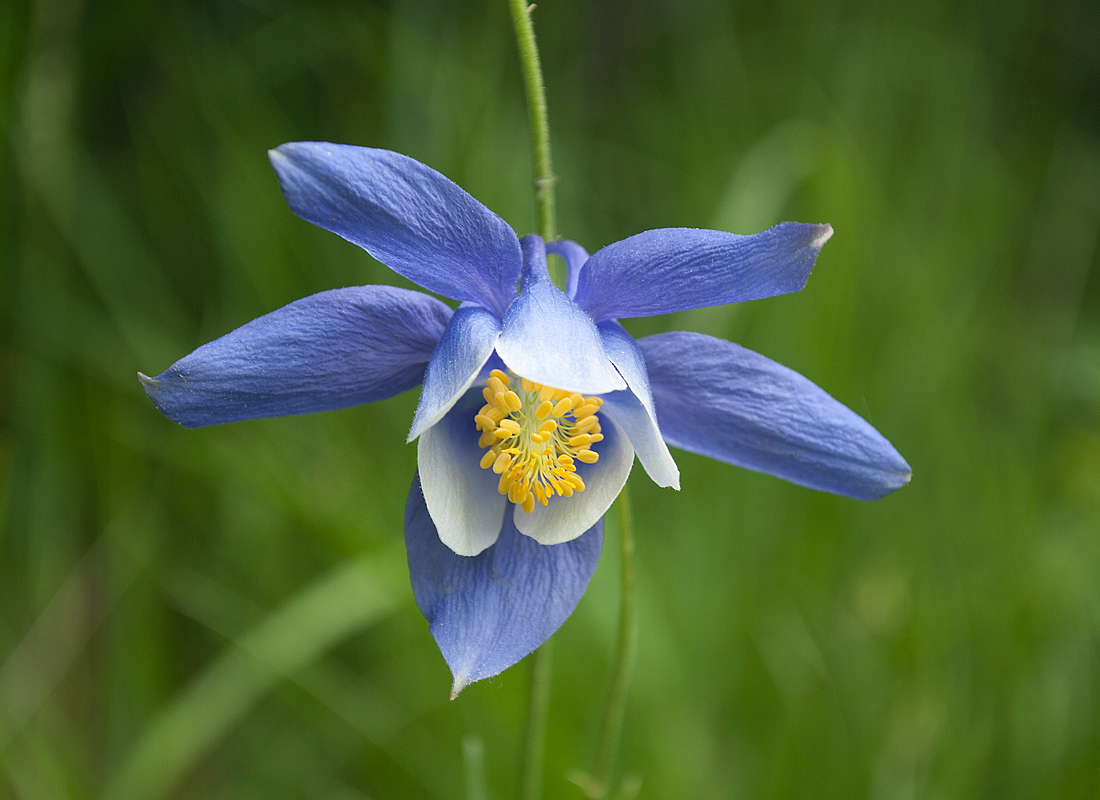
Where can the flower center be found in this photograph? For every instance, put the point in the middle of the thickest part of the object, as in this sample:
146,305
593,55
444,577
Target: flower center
535,435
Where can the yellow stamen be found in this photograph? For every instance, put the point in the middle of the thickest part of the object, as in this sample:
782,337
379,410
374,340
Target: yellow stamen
585,425
562,407
534,435
588,456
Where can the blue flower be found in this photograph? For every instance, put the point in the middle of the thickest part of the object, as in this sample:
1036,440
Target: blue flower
534,403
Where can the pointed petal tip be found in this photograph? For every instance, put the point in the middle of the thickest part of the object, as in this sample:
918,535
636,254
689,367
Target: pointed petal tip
146,380
824,233
276,155
460,683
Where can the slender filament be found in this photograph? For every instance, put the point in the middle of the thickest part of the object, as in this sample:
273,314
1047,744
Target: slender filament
533,437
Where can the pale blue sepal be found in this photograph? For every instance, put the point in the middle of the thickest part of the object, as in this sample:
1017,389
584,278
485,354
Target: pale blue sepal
413,219
574,256
676,269
718,399
461,496
548,340
331,350
462,351
488,612
633,409
566,518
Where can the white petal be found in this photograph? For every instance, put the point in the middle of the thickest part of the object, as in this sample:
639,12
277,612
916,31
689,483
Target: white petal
566,518
633,409
641,428
462,498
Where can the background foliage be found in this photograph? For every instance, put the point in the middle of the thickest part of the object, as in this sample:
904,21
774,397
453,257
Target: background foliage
225,613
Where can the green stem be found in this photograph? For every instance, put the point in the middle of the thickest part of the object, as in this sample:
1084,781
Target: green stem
540,125
473,757
531,788
537,712
598,784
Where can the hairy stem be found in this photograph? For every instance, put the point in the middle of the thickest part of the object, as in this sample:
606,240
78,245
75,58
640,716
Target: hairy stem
531,787
540,125
598,784
537,711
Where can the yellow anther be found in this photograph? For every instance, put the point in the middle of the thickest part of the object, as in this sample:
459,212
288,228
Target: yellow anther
562,407
586,424
588,456
533,436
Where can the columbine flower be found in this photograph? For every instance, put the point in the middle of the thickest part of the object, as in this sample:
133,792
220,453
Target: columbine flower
534,404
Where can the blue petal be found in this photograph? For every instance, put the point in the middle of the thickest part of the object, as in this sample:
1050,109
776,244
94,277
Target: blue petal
566,518
721,400
462,352
488,612
675,269
411,218
548,340
574,256
462,497
633,409
332,350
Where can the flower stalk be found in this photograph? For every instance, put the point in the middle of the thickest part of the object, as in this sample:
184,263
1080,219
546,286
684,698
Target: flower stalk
537,711
598,783
546,223
540,125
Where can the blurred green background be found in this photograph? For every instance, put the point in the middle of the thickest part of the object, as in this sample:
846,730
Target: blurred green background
225,613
